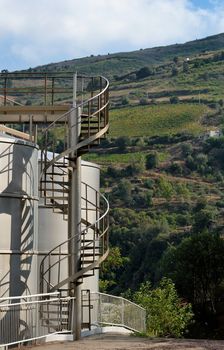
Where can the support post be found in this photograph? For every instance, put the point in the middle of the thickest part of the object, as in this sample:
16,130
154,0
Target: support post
74,218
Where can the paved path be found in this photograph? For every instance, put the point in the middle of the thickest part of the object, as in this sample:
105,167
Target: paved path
124,342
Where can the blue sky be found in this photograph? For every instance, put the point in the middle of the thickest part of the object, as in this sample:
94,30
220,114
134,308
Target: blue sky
204,3
39,32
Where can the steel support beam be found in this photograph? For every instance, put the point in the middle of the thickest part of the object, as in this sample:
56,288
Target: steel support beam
74,219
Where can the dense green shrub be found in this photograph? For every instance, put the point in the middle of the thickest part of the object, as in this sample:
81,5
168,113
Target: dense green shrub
123,191
144,72
196,266
187,149
166,314
113,172
175,169
143,199
125,101
165,188
174,71
122,143
174,100
136,168
152,160
149,183
143,101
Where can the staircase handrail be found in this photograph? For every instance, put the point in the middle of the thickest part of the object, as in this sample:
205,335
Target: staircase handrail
86,228
82,231
83,143
81,104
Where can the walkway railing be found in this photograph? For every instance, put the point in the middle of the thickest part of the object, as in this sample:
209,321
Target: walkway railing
117,311
26,319
21,317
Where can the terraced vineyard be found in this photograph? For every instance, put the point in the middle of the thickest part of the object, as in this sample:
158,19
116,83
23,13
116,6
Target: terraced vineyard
157,120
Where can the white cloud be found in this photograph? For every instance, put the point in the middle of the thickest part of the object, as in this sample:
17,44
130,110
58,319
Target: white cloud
50,30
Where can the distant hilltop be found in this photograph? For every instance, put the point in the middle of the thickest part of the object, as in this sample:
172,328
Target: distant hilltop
124,62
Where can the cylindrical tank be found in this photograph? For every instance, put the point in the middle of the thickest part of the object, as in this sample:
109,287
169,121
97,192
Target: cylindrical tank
18,223
18,216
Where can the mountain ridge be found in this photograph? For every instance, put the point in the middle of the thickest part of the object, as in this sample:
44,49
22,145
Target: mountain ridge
137,58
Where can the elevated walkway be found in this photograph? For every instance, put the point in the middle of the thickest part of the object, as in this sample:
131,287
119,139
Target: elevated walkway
38,114
39,96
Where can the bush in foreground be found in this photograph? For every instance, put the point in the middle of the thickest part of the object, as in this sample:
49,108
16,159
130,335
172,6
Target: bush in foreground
166,314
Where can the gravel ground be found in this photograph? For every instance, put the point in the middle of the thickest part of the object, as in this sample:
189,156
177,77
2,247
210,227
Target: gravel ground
124,342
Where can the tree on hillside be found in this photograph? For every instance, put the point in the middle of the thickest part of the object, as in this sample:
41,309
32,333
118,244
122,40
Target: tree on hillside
174,100
186,67
122,143
196,266
143,72
152,160
123,191
110,268
175,59
203,217
125,101
136,167
186,149
174,71
165,188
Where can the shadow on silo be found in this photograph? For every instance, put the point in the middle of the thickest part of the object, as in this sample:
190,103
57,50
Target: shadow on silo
15,323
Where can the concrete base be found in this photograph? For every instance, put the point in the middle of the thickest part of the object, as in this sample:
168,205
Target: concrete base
107,329
86,333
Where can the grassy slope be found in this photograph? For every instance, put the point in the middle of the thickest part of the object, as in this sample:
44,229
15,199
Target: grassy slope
156,120
204,82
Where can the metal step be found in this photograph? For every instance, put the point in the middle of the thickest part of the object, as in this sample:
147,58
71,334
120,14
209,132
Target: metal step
57,182
60,190
90,248
91,129
90,121
87,262
57,197
87,275
86,255
63,321
56,174
89,115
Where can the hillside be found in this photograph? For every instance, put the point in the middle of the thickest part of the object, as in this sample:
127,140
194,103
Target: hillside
124,62
164,177
163,171
191,72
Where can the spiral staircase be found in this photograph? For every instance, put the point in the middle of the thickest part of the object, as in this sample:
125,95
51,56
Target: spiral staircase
87,123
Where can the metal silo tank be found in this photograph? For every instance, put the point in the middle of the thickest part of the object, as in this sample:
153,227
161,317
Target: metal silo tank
18,227
18,216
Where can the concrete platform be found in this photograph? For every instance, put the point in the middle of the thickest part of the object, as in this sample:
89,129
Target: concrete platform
127,342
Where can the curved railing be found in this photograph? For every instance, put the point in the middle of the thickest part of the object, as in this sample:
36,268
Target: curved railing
89,120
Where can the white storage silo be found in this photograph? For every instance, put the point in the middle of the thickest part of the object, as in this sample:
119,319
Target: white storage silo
18,216
18,227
